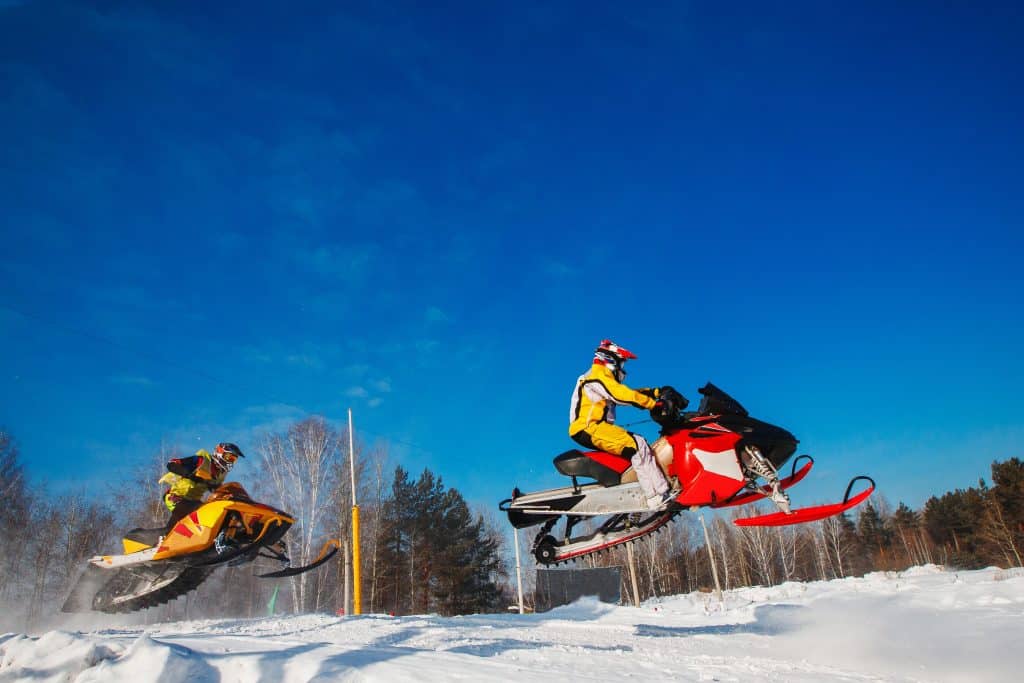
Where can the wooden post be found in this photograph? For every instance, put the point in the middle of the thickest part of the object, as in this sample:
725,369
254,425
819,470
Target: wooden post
711,557
519,572
347,605
632,573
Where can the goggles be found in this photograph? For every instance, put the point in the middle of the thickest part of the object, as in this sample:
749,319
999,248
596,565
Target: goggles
225,455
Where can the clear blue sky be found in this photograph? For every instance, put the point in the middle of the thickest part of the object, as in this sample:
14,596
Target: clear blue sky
216,219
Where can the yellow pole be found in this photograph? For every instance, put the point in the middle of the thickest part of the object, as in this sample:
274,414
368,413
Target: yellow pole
357,602
357,593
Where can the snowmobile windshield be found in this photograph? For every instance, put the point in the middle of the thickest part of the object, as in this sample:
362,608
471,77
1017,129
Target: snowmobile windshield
717,402
232,490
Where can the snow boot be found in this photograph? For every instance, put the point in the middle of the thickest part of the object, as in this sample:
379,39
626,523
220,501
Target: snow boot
755,465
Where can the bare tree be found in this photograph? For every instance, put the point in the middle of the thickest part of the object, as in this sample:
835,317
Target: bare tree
835,542
378,465
758,544
14,517
301,465
995,529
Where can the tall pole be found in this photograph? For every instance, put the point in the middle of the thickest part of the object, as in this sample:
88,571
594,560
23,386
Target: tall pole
711,558
632,573
357,593
519,571
347,605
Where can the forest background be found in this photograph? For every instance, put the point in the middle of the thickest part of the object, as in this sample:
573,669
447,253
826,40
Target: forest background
425,551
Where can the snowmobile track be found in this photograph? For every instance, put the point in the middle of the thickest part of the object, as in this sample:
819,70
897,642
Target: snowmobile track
186,582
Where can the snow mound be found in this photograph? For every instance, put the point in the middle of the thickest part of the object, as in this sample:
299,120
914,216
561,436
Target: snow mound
55,656
923,570
147,659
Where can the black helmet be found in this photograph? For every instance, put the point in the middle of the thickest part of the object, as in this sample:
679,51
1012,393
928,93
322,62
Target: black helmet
225,454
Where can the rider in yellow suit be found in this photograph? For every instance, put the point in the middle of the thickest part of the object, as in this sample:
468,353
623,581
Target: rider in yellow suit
188,479
592,418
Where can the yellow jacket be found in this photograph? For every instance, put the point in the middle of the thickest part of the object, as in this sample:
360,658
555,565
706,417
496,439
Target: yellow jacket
190,478
596,394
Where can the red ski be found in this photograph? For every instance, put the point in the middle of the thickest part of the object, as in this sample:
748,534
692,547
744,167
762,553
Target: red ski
810,514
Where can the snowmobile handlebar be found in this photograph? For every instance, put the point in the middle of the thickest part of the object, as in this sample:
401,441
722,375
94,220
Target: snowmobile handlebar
669,406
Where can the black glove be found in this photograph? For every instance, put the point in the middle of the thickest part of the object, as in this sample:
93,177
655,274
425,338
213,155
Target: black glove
678,400
660,411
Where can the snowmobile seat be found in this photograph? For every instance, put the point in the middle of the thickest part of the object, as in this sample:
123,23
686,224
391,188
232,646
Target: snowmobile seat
575,464
146,536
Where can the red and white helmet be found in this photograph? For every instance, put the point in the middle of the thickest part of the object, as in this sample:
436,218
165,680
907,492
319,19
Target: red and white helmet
613,356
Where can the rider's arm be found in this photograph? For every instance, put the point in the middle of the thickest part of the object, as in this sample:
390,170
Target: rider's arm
185,467
623,395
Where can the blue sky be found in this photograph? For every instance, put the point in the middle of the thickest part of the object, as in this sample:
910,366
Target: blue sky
217,220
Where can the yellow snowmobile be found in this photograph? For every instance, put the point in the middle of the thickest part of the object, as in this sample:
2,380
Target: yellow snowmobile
159,565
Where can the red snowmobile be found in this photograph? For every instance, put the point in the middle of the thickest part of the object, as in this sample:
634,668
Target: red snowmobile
713,457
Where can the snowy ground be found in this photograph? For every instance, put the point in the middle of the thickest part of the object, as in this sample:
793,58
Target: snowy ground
921,625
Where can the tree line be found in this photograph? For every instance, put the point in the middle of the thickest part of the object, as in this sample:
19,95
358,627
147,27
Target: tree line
967,528
423,549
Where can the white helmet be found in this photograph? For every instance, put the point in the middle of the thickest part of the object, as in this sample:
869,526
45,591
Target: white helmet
614,357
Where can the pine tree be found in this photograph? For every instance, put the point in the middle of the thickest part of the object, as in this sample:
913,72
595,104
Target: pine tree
905,527
951,522
436,556
1001,527
874,537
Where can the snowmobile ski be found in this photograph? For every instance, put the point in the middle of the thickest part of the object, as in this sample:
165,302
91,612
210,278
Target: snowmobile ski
811,514
327,552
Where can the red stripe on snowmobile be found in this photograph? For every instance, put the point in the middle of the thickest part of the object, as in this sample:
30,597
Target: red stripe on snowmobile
783,483
183,530
810,514
613,462
194,517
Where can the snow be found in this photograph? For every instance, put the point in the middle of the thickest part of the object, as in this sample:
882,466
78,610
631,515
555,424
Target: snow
924,624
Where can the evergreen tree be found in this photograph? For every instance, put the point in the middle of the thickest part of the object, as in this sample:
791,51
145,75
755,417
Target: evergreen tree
436,556
875,537
396,536
1001,528
951,522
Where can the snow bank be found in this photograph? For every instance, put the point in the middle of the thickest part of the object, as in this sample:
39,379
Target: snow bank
56,656
922,624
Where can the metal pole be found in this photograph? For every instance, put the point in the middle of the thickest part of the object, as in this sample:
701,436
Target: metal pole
519,572
632,573
357,593
347,605
711,557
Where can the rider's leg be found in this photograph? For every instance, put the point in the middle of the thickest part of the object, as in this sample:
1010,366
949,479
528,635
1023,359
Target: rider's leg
179,509
614,439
